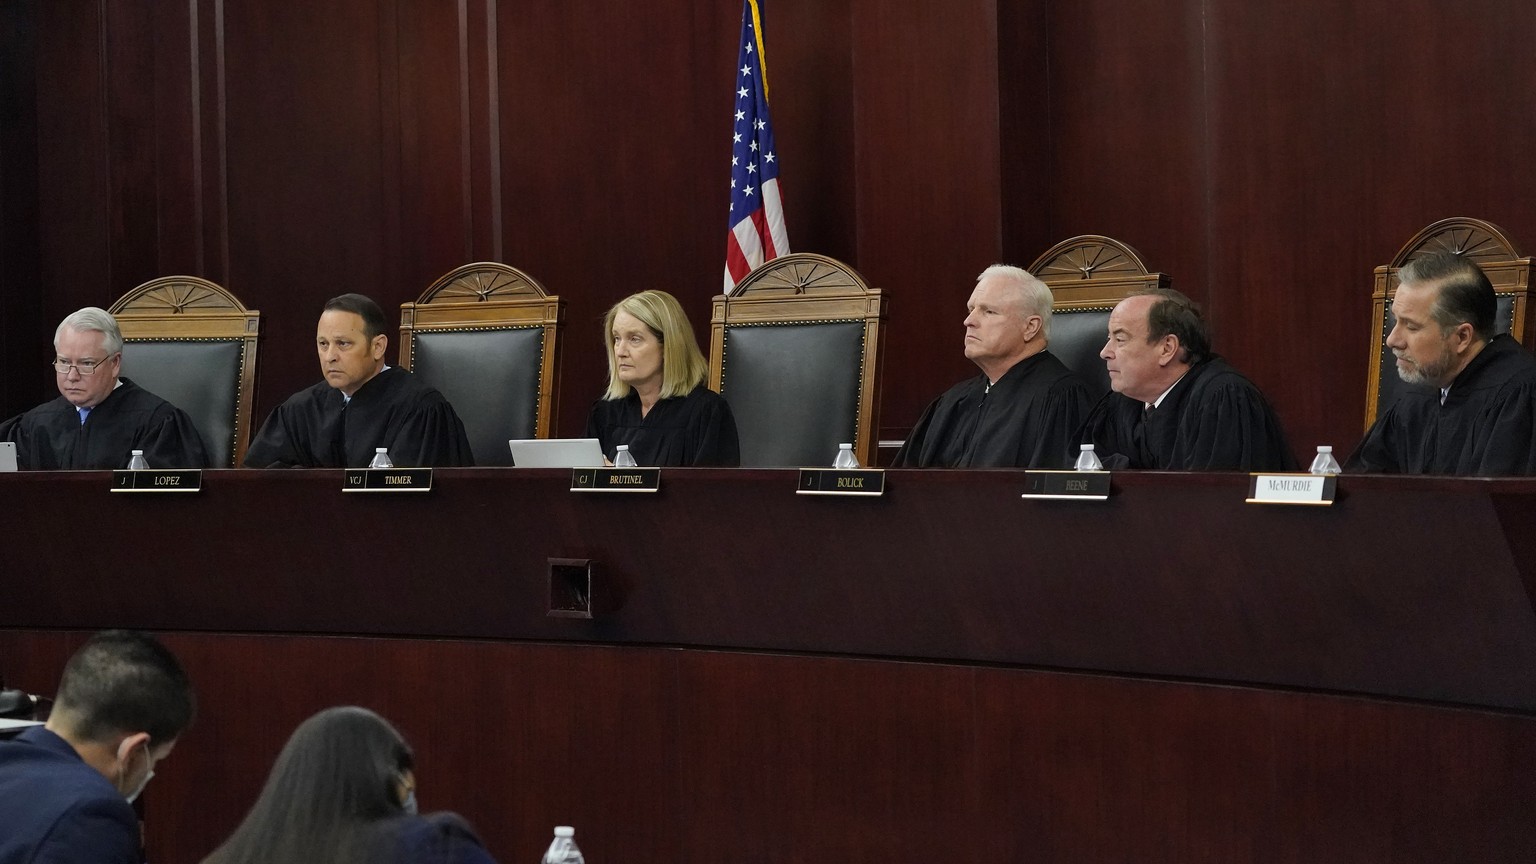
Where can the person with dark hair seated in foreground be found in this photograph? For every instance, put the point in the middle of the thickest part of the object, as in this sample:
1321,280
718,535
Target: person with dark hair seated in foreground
1174,405
343,791
656,401
1472,407
66,787
99,417
361,405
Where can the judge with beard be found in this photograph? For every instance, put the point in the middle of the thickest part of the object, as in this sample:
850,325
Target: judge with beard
1022,410
99,418
1174,405
361,405
1471,406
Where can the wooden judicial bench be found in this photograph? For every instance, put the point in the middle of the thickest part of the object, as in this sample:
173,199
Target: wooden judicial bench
947,670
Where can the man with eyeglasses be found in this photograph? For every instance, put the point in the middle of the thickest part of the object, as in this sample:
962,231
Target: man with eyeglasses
99,417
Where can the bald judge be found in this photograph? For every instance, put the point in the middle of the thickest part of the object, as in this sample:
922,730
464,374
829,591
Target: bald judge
1022,410
1470,407
1174,405
361,405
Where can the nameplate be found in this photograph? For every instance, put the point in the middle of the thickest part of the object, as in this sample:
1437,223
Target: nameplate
157,481
841,481
387,480
615,479
1315,489
1067,485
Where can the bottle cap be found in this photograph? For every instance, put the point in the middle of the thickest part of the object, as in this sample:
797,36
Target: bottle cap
381,449
1087,447
622,447
136,452
845,446
1325,448
564,831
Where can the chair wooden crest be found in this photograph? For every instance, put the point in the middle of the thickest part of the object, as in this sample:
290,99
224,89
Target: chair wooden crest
795,350
487,336
1087,276
193,343
1482,242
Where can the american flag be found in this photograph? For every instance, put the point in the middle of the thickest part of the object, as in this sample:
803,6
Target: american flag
757,217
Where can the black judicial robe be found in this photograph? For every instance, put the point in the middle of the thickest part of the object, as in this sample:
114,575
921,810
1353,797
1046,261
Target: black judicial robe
51,437
1214,419
697,429
317,428
1486,428
1026,420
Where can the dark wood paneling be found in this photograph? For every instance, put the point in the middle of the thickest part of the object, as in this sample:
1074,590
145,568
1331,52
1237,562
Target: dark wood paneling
22,347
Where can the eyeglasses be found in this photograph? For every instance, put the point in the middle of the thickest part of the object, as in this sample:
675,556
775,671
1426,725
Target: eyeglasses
84,367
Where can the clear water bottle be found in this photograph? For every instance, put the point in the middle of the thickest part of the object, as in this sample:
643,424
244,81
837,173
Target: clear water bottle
1324,463
381,458
845,459
563,849
136,461
1087,460
622,459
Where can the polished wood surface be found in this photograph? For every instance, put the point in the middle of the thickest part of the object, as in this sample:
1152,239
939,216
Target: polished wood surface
1171,675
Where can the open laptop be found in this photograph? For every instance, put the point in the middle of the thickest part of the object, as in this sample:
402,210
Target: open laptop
7,456
556,453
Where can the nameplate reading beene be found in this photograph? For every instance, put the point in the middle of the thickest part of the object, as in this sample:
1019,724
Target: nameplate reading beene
1315,489
387,480
1067,485
615,479
841,481
190,480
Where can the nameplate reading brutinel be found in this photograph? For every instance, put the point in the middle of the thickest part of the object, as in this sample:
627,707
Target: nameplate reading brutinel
615,479
1067,485
387,480
1314,489
841,481
190,480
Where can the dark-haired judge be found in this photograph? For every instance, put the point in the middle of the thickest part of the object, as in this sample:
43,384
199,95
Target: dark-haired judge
1471,406
1173,405
361,405
1024,407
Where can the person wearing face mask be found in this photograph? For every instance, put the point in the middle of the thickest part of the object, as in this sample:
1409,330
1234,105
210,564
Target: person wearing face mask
343,790
656,402
66,787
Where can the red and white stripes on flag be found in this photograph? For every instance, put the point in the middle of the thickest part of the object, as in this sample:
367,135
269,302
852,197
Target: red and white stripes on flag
757,232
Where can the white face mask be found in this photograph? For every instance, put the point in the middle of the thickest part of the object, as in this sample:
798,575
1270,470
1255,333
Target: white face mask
409,804
133,795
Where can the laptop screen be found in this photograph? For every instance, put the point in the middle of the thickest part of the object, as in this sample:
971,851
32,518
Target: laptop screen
556,453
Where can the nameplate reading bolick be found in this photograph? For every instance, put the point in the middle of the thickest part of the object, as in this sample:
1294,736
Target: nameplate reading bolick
615,479
1315,489
388,480
1067,485
157,481
841,481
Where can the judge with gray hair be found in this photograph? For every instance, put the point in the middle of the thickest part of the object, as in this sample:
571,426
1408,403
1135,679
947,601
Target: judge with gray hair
99,417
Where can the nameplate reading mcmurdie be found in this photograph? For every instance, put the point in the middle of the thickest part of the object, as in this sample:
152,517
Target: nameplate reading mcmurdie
1067,485
157,481
387,480
841,481
615,479
1314,489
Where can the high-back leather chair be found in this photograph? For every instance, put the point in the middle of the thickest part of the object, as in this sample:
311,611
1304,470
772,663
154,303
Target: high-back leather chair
193,344
1087,276
486,335
795,350
1484,243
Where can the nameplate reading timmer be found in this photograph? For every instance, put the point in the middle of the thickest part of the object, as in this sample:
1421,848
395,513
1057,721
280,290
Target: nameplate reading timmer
841,481
1315,489
157,481
615,479
387,480
1067,485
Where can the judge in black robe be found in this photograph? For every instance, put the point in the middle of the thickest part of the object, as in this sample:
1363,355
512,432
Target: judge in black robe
1174,406
360,406
1024,407
656,402
1025,420
697,429
51,437
1470,408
